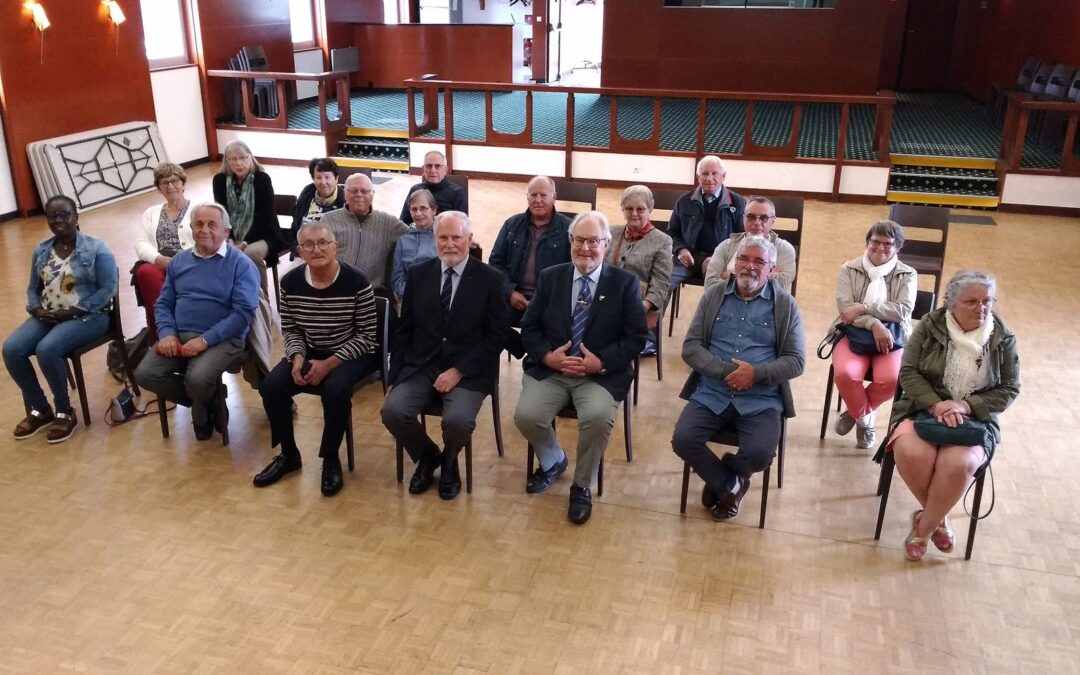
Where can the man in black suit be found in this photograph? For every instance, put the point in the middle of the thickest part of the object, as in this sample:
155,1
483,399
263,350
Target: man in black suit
582,331
447,344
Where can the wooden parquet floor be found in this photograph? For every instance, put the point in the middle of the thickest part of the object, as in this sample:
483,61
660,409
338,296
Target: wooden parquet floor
124,552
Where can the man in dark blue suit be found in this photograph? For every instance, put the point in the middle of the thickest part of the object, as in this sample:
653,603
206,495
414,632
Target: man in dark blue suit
447,345
582,330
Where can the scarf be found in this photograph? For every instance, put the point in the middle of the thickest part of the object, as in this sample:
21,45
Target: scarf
963,357
320,205
631,236
876,290
326,203
241,206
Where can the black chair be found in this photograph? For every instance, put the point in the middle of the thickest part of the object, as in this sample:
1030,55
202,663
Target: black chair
379,374
435,410
664,200
460,180
284,208
790,209
927,256
220,404
924,304
731,438
114,334
345,171
582,193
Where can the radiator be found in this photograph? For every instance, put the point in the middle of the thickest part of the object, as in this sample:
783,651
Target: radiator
100,166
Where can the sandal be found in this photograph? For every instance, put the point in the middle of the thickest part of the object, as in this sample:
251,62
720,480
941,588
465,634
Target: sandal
914,545
943,537
62,427
33,423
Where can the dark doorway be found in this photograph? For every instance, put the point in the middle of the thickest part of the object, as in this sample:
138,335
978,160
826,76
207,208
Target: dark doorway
928,41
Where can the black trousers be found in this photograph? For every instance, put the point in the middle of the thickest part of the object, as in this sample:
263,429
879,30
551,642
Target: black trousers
759,436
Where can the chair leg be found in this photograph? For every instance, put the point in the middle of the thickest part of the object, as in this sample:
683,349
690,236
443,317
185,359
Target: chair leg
468,465
636,378
685,486
659,351
828,402
976,503
628,432
885,483
80,386
529,466
673,303
349,448
600,479
496,418
764,496
780,453
163,417
221,411
399,456
128,368
277,283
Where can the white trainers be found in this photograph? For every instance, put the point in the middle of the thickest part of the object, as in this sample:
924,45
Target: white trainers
865,433
844,423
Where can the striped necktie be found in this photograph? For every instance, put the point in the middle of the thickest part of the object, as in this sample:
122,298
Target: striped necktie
580,318
447,291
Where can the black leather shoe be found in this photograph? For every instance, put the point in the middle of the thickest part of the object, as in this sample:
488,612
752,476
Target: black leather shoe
424,475
449,478
220,425
708,497
727,507
580,505
542,479
331,478
276,469
203,432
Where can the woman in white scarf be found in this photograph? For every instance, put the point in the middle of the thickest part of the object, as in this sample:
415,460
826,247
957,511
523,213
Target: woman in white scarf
960,363
872,289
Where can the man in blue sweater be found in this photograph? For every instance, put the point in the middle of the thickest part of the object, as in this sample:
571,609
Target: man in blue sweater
203,315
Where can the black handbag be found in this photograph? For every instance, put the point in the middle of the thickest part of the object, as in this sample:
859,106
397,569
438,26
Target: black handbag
861,340
971,432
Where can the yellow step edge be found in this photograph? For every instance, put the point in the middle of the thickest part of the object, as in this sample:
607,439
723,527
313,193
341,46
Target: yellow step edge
945,162
372,164
945,200
377,133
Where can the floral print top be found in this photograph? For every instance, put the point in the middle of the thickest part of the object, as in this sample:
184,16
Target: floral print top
58,283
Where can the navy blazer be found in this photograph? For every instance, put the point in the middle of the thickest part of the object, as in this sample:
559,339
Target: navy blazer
615,331
470,340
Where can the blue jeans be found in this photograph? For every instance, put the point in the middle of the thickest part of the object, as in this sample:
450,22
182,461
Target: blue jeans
50,344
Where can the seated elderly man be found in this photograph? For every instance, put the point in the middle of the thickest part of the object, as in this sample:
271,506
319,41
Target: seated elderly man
448,197
703,219
453,325
744,344
328,325
758,220
203,316
582,330
365,237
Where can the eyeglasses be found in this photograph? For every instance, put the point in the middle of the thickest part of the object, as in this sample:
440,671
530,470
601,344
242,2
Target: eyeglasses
747,261
972,304
754,218
883,245
635,209
322,245
592,242
367,192
171,181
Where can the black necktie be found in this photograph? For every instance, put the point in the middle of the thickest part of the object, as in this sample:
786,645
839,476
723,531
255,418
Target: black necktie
580,317
447,291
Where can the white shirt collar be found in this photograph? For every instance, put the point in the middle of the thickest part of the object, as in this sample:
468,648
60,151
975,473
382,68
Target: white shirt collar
594,277
222,250
459,268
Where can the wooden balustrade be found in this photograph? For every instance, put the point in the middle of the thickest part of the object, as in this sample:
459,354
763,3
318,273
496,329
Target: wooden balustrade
1022,106
337,79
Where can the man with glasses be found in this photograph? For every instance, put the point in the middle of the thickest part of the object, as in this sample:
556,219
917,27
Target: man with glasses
758,221
702,220
448,197
744,345
365,237
328,326
582,331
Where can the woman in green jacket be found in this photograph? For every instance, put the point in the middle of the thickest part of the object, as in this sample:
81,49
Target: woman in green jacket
961,362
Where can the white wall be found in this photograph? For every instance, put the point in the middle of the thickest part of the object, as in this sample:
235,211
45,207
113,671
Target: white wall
179,109
495,11
582,34
276,144
310,61
1061,191
7,188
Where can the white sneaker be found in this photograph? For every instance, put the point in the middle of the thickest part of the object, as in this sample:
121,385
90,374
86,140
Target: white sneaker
865,433
844,423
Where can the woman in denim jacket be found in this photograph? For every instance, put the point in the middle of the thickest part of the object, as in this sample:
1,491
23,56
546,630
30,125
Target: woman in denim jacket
73,281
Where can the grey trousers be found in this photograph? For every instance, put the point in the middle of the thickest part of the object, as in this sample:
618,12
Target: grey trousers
405,402
191,382
541,400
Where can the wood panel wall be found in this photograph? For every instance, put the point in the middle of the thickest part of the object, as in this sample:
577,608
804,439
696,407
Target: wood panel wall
88,79
390,54
835,51
341,17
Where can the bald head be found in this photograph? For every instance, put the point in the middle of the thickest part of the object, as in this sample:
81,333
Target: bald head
541,195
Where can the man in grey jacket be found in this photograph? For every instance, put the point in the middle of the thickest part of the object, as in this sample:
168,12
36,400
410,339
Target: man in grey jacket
745,343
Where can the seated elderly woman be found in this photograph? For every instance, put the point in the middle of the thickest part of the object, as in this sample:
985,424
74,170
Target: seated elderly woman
166,230
323,194
247,193
874,292
640,248
960,364
72,285
418,244
758,219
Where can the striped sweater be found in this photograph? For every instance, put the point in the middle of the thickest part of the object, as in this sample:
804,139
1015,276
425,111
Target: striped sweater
338,320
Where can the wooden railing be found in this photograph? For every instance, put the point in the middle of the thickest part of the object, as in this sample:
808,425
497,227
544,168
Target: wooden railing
430,87
1022,108
339,80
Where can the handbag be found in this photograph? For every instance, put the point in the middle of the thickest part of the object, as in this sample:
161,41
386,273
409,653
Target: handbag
971,432
861,340
136,347
828,343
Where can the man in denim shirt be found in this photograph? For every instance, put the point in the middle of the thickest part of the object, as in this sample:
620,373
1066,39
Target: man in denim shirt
740,376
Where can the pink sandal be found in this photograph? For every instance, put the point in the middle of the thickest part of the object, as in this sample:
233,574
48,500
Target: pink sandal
943,537
914,545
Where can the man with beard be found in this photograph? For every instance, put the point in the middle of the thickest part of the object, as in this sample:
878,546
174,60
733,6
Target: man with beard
744,344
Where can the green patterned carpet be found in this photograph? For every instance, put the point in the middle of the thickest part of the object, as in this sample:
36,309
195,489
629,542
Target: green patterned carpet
923,124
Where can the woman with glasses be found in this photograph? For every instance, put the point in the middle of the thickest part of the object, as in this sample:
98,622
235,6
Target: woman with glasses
758,218
959,364
247,193
418,244
166,230
640,248
872,290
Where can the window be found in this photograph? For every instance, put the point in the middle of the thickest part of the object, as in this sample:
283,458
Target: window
302,20
165,33
751,4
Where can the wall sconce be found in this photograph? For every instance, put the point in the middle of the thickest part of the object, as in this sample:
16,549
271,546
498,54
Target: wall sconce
41,21
116,15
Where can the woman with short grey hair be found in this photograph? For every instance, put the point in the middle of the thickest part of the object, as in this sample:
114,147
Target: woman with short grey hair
247,193
959,364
